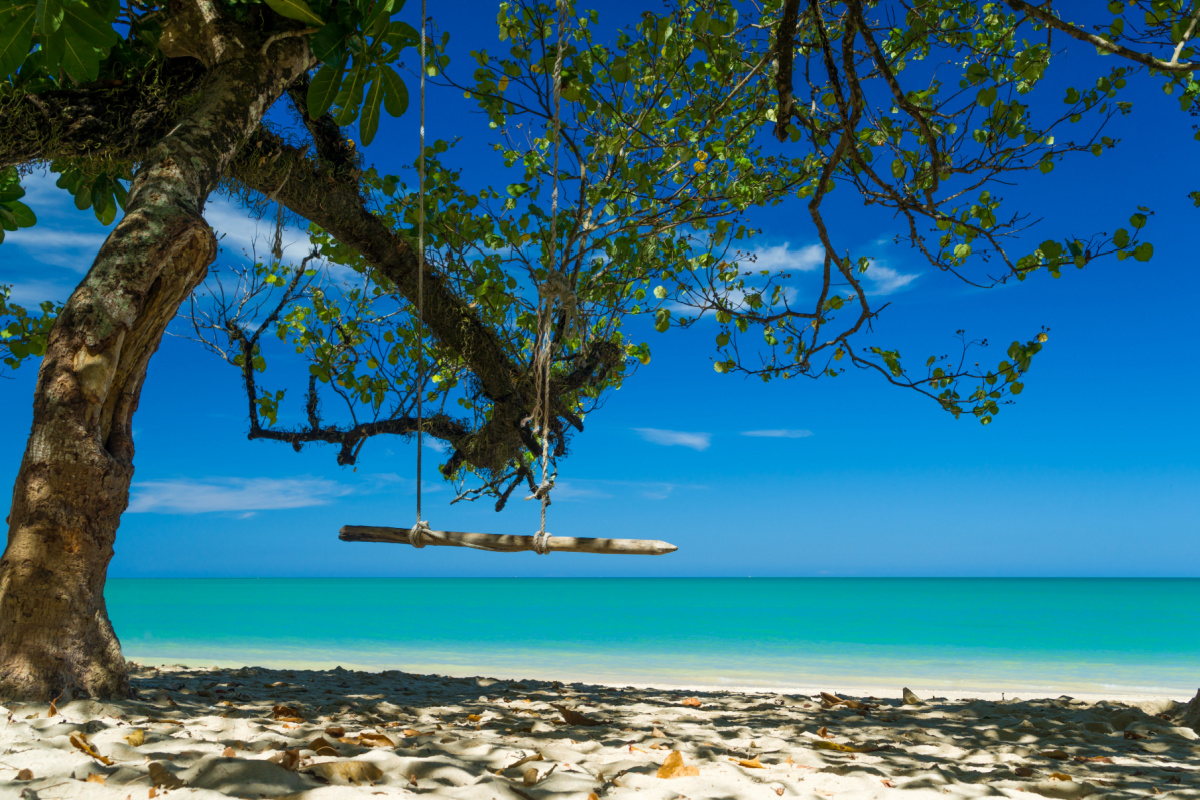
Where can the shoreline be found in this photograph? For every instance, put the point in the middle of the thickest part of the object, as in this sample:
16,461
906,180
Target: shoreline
866,686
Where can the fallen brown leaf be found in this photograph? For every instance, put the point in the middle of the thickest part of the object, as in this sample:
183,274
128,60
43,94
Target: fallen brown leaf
824,733
350,771
593,796
523,761
136,738
409,733
323,747
474,717
1134,735
1093,759
412,780
229,752
693,702
530,777
1060,755
153,792
287,714
573,717
163,778
888,783
673,767
371,739
288,759
25,775
1060,776
750,763
778,791
79,743
95,777
336,731
1024,772
657,746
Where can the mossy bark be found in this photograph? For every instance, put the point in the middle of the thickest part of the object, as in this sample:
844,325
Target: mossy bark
73,484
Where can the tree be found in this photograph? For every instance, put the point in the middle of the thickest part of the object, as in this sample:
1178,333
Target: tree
664,159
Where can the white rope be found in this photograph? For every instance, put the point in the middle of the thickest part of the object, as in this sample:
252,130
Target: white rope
554,287
418,530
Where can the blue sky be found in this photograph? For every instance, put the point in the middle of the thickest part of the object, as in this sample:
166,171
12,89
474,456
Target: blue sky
1093,472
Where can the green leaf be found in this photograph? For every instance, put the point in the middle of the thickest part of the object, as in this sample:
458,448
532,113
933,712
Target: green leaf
1144,251
89,28
898,169
368,124
49,15
395,93
1121,237
295,9
1137,220
330,42
962,250
353,89
22,213
16,37
324,87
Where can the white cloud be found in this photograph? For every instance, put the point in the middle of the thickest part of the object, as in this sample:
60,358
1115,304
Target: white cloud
49,244
239,232
588,489
782,258
779,433
30,293
886,280
694,440
189,496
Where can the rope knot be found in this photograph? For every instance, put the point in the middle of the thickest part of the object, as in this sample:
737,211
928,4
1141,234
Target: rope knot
418,532
557,286
542,492
541,542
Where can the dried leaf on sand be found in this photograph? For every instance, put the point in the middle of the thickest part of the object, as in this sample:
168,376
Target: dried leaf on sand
750,763
79,743
136,737
162,777
346,771
673,767
573,717
693,702
287,714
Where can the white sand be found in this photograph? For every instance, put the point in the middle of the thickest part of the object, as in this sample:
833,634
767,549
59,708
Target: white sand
215,733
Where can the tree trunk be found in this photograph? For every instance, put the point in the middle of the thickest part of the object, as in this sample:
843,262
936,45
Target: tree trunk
73,485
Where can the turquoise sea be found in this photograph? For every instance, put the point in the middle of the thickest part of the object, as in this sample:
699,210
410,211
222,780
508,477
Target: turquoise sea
1105,636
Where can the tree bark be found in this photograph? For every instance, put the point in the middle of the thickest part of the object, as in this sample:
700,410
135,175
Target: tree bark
73,485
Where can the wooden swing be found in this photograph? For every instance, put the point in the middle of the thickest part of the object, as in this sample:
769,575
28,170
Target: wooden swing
554,288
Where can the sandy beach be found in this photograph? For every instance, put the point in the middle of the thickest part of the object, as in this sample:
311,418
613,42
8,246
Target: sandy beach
265,733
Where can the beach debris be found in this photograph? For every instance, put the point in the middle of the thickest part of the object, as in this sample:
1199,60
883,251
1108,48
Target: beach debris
80,743
692,702
136,737
779,791
1135,735
323,747
657,734
530,777
229,752
593,796
673,767
287,714
1093,759
95,777
53,706
1060,776
409,733
823,744
888,782
829,700
910,697
573,717
523,761
288,759
25,775
824,733
336,731
1023,772
368,739
163,778
749,763
356,772
1059,755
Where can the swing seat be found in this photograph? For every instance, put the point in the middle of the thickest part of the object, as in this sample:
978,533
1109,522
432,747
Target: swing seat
504,543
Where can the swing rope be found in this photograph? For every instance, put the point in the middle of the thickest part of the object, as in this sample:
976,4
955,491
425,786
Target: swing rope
421,529
554,287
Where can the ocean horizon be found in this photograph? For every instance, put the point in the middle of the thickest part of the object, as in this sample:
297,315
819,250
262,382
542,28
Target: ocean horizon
1104,636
